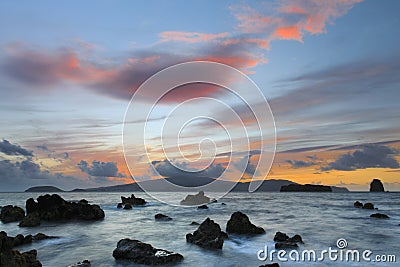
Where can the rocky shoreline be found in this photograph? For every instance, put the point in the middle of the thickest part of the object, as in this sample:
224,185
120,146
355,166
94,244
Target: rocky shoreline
209,235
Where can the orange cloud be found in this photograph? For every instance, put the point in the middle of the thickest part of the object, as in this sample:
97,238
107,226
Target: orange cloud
288,32
291,18
190,37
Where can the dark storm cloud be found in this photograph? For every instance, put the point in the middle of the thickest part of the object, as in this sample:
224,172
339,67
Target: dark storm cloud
100,169
300,163
369,156
12,149
181,169
244,164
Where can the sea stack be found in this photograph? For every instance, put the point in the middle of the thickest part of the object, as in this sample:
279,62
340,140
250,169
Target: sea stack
376,186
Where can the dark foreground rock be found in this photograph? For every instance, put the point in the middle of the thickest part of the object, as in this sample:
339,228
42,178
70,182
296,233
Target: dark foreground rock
84,263
53,207
14,258
305,188
135,201
376,186
358,204
128,206
195,200
142,253
284,241
208,235
379,216
162,217
30,220
19,240
202,207
240,224
11,213
368,206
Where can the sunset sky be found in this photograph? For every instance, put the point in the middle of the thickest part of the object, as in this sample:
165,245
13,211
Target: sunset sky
330,71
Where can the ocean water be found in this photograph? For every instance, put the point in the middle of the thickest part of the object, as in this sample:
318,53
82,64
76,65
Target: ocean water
320,218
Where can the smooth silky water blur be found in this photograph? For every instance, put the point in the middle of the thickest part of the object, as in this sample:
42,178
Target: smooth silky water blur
320,218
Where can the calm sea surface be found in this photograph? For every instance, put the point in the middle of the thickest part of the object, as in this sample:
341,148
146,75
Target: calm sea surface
320,218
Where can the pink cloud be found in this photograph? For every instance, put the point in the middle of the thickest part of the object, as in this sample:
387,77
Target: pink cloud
291,19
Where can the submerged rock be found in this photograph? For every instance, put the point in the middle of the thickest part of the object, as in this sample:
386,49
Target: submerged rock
368,206
54,207
14,258
84,263
358,204
142,253
284,241
135,201
240,224
195,200
127,206
376,186
19,239
202,207
208,235
11,213
162,217
379,216
194,223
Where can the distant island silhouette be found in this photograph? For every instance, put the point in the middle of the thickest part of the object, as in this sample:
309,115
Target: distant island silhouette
155,185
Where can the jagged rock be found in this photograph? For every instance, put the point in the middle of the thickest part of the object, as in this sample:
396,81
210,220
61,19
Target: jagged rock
30,220
142,253
14,258
135,201
19,239
195,200
84,263
358,204
280,237
162,217
239,223
296,239
202,207
119,205
379,216
376,186
83,201
208,235
53,207
368,206
11,213
41,236
127,206
284,241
